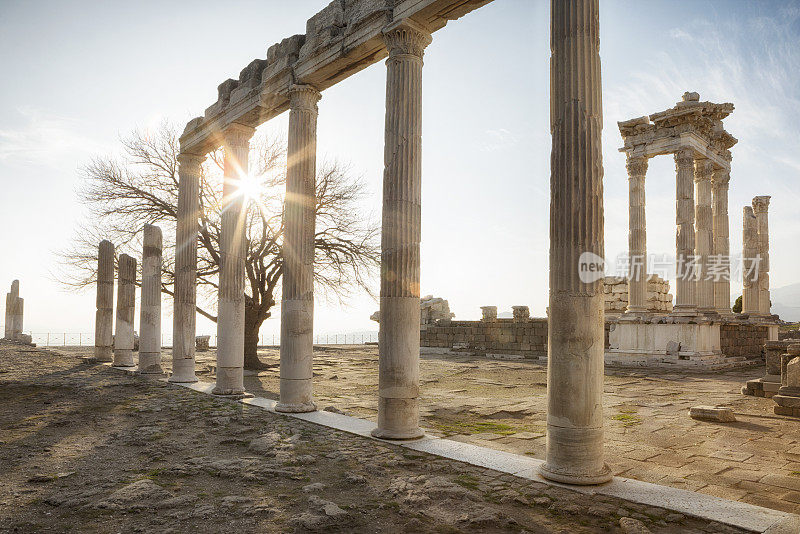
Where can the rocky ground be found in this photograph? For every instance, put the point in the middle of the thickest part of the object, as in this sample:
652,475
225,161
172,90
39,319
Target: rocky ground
85,448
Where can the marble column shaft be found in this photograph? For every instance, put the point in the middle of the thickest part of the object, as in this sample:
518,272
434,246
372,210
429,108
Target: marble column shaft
126,308
720,181
761,208
230,315
637,235
150,313
184,318
104,317
297,300
9,317
575,342
14,312
750,244
398,340
704,235
685,284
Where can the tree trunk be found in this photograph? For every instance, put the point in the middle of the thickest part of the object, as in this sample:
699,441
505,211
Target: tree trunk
252,324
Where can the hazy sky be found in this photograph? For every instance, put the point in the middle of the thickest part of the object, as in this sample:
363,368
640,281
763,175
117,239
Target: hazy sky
78,74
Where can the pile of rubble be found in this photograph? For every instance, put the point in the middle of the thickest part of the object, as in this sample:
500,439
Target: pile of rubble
658,299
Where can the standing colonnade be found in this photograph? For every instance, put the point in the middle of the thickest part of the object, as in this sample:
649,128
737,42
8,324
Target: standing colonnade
575,364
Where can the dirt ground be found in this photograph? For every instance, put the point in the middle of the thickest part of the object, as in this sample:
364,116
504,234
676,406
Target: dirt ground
649,436
86,448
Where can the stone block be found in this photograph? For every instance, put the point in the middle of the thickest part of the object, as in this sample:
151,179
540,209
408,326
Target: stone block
712,413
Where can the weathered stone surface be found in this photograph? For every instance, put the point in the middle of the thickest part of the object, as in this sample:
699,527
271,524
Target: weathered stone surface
104,317
657,296
150,313
575,355
751,245
297,304
230,321
712,413
760,209
202,342
488,313
126,309
398,374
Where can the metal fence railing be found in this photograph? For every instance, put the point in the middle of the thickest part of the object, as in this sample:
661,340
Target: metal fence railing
86,339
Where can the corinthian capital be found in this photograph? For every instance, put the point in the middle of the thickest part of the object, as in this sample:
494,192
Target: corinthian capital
303,97
721,177
684,157
702,170
406,37
761,204
237,135
190,163
636,165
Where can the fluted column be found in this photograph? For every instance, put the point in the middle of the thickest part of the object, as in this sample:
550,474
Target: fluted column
297,300
760,208
9,314
16,311
184,314
750,251
637,235
398,340
575,345
150,313
126,304
230,315
720,181
704,235
104,317
685,284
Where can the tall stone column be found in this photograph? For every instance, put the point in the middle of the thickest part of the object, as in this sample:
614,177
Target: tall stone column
704,235
750,251
297,301
230,320
575,345
685,284
126,308
104,317
150,313
184,314
637,235
9,317
760,208
398,340
722,246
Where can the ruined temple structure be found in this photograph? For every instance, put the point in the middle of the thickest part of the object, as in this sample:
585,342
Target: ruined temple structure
701,329
343,38
14,317
431,310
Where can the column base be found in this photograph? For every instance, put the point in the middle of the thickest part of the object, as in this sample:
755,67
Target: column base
684,310
639,310
183,371
123,358
150,363
382,433
103,354
287,407
223,391
577,479
398,419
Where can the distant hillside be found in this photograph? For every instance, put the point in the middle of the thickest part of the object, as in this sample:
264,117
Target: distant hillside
786,302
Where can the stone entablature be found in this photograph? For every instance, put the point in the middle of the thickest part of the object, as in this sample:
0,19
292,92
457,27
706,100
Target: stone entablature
658,299
340,40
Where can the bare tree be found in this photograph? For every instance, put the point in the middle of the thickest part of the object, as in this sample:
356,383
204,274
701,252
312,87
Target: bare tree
140,187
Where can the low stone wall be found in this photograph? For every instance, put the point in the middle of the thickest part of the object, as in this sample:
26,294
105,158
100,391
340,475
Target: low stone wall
743,340
527,337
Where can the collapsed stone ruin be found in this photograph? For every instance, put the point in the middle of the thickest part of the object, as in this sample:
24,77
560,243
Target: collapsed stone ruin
658,299
431,310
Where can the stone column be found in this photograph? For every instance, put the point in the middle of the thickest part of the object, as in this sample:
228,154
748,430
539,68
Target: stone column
150,313
722,247
297,300
685,284
398,340
760,208
184,309
750,250
637,235
9,317
104,317
704,235
575,346
15,317
126,307
230,320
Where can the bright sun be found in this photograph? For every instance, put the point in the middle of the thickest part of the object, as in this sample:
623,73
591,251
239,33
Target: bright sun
249,187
